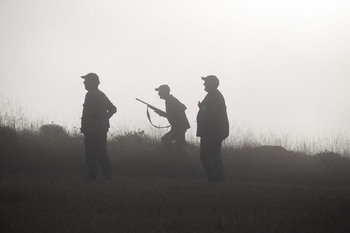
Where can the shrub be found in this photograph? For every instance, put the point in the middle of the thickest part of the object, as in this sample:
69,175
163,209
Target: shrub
53,130
8,140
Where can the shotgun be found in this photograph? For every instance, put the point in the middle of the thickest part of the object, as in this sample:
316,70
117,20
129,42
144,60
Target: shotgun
157,110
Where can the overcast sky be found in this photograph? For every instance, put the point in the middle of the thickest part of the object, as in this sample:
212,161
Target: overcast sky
283,65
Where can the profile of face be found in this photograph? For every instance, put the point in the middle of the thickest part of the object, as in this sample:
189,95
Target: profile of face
163,94
208,87
90,84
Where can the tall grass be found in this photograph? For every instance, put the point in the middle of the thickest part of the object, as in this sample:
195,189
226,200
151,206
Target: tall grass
338,141
27,150
136,154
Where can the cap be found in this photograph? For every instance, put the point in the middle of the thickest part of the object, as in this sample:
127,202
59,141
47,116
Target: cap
211,79
92,77
163,87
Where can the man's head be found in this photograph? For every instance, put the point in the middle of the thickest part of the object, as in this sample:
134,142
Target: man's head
163,91
211,82
91,81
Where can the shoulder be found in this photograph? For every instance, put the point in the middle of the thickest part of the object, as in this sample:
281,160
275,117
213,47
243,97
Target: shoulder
99,93
96,95
218,95
174,101
215,98
170,100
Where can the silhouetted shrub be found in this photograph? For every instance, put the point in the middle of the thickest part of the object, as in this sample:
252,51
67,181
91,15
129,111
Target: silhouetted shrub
52,151
53,130
132,142
8,140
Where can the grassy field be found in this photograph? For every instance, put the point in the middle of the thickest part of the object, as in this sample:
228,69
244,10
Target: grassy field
39,204
268,189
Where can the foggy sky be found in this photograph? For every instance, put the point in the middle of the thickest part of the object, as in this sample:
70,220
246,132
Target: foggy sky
282,65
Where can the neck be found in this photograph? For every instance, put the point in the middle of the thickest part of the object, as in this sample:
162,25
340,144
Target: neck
212,90
93,88
166,97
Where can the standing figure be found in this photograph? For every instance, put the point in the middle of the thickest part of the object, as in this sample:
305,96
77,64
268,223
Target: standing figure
94,125
212,128
175,113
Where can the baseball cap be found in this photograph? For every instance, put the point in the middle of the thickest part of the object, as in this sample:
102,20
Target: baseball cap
163,87
211,79
92,77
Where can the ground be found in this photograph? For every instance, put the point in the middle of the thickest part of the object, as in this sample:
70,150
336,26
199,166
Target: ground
72,204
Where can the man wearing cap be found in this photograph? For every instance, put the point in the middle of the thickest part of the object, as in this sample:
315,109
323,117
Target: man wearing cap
212,128
97,110
175,113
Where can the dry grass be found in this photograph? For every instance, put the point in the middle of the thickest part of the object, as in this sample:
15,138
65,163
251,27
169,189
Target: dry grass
136,154
268,189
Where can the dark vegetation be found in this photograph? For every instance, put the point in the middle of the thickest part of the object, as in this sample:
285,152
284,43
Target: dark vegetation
169,205
52,151
268,189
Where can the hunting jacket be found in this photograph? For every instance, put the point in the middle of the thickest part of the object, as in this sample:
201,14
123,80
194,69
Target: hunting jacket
175,113
97,109
212,120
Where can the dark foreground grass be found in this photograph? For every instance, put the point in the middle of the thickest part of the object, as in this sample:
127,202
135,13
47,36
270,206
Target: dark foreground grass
268,189
70,204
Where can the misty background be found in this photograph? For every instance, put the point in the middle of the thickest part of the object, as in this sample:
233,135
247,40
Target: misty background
283,65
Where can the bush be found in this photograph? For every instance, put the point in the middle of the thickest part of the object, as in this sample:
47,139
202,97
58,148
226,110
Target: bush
8,140
53,130
52,151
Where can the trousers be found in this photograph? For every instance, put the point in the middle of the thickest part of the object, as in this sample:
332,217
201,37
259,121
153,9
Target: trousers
96,153
210,155
179,137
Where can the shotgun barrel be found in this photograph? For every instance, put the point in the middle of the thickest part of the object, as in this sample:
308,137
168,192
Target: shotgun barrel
157,110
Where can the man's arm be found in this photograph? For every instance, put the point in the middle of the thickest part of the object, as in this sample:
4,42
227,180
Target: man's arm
111,109
161,113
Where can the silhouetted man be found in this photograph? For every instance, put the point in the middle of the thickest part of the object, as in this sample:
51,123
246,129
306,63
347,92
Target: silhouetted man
175,113
94,125
212,128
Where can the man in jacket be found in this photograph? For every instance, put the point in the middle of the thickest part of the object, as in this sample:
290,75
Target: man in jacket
175,113
212,128
97,110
